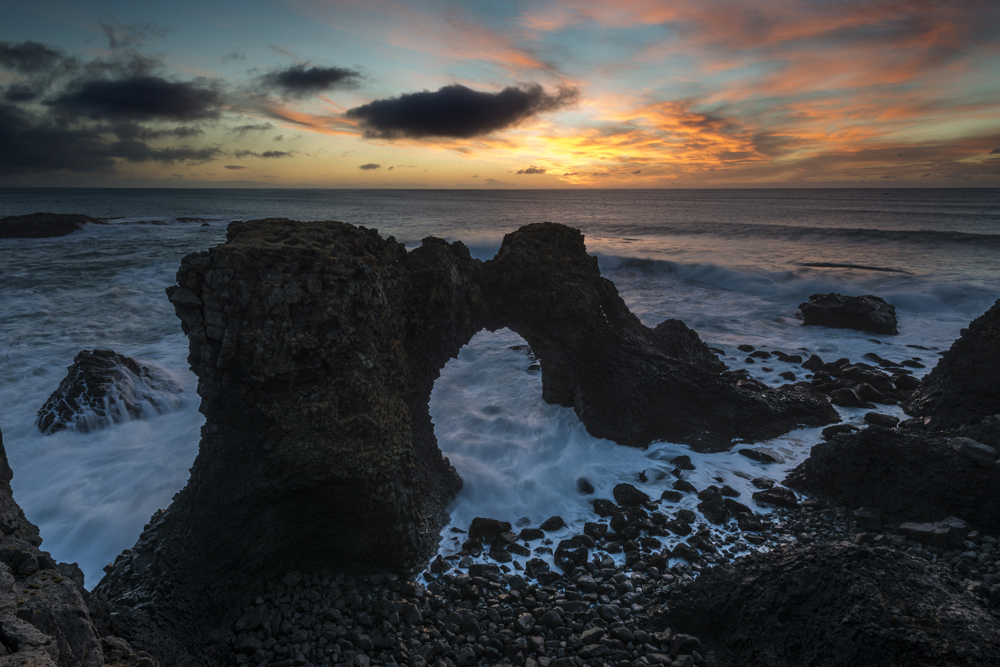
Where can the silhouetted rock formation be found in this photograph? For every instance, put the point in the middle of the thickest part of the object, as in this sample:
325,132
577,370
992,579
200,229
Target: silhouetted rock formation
626,382
865,313
964,387
102,387
943,464
909,475
43,225
317,345
836,604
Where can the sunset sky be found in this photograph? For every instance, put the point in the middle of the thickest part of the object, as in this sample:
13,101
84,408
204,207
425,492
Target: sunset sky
505,94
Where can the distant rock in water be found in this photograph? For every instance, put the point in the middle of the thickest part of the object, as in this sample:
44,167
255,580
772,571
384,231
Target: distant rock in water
964,387
864,313
43,225
833,604
103,387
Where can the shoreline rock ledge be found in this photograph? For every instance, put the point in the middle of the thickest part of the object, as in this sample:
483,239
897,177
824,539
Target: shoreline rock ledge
317,345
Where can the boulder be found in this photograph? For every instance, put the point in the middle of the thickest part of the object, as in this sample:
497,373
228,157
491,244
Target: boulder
909,475
962,388
864,313
629,496
44,225
102,387
834,604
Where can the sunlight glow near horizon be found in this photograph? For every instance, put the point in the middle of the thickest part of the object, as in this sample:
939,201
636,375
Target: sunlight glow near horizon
715,93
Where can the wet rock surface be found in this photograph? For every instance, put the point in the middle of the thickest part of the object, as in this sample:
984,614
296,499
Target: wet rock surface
626,382
102,387
43,225
44,616
864,313
317,345
908,474
963,388
835,604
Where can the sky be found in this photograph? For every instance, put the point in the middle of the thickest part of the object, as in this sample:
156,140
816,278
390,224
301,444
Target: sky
500,94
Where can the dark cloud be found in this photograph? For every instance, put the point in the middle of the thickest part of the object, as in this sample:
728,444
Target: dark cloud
265,154
370,166
532,170
637,172
135,131
235,166
137,151
571,173
243,129
30,147
141,98
130,35
29,57
233,55
20,92
301,81
456,111
995,151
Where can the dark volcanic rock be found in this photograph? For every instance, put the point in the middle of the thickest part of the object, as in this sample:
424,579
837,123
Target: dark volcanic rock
102,387
963,387
629,496
836,604
43,225
317,345
909,475
628,383
44,619
865,313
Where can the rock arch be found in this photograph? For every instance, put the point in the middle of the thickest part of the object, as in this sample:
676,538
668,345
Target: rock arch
317,345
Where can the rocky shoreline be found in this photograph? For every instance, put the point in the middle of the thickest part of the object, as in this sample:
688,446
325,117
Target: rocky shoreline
319,488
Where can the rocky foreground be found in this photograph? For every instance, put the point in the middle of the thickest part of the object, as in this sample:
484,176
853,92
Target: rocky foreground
319,488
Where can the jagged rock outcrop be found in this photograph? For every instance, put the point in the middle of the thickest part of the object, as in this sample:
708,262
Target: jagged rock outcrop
864,313
835,604
626,382
931,468
909,475
44,617
43,225
102,387
317,345
963,387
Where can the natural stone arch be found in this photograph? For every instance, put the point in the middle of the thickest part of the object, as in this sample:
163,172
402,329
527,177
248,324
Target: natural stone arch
317,345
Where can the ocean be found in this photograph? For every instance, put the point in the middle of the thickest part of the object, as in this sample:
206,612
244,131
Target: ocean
732,264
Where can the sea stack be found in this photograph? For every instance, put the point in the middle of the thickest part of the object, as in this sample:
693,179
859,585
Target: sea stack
317,345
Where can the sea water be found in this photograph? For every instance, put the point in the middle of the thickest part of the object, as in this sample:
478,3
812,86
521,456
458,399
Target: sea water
732,264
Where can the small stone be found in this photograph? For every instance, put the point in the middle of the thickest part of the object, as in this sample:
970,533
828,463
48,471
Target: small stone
981,454
552,524
758,455
879,419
